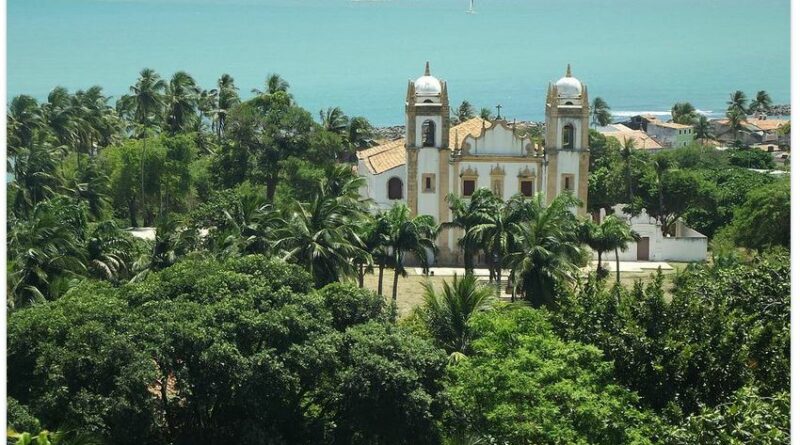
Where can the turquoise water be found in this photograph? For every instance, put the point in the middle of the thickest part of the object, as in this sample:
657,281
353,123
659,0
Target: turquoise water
640,55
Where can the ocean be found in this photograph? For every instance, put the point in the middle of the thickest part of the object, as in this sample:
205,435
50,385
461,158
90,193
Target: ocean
639,55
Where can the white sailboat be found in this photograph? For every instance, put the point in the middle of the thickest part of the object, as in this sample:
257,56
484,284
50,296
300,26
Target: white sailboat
471,9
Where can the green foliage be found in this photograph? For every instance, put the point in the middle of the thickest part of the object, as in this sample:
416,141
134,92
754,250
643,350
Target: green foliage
763,220
447,314
19,418
724,328
350,305
752,158
524,385
208,351
746,418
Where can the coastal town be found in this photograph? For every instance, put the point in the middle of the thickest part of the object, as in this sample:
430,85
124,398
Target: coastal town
398,222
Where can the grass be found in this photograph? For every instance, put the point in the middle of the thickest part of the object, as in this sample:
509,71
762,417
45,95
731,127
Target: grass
410,290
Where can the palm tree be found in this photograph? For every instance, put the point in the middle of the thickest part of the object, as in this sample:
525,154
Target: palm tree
466,215
90,186
601,114
374,233
43,249
24,120
35,175
661,165
334,120
738,101
173,241
612,233
181,102
548,250
496,231
406,234
359,132
684,113
736,120
147,97
702,129
447,314
321,236
486,114
108,252
227,98
761,103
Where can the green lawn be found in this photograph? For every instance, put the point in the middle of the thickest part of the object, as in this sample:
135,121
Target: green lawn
409,289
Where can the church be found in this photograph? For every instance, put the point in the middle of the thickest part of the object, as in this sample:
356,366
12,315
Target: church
435,158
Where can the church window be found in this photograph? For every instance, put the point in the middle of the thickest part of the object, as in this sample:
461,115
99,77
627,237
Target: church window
468,187
395,186
428,134
428,183
568,136
526,187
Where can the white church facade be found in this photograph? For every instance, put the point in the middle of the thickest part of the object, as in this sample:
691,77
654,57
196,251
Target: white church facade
435,159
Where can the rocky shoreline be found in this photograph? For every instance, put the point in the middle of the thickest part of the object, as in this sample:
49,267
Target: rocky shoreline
392,132
779,110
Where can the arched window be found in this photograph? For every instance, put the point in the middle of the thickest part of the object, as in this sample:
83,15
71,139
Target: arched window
428,134
395,187
568,136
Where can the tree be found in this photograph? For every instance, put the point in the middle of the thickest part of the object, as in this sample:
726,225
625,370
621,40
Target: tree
467,215
485,114
219,351
45,250
181,100
496,229
24,120
548,252
612,234
684,113
763,220
736,118
408,234
273,85
320,235
561,392
702,129
601,114
227,98
109,252
447,315
465,111
147,97
359,132
760,103
738,102
627,151
746,418
334,120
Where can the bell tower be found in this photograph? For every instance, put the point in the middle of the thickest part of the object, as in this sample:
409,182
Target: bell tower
427,143
567,139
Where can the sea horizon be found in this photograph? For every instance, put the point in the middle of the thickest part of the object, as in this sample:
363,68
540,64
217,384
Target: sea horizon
359,55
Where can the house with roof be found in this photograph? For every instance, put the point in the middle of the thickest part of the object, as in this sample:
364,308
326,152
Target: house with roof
622,133
667,134
755,131
435,159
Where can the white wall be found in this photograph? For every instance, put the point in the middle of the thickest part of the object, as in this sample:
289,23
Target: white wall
498,140
378,186
428,162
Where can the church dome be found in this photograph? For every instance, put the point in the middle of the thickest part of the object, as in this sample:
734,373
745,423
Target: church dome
427,85
569,86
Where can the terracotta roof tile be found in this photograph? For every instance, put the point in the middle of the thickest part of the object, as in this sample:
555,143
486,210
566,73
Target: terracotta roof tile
392,154
636,135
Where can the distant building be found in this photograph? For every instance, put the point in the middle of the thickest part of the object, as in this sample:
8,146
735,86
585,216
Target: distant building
435,159
622,133
755,131
667,134
682,244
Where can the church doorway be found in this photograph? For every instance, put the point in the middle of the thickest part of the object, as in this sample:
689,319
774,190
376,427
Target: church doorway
643,249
